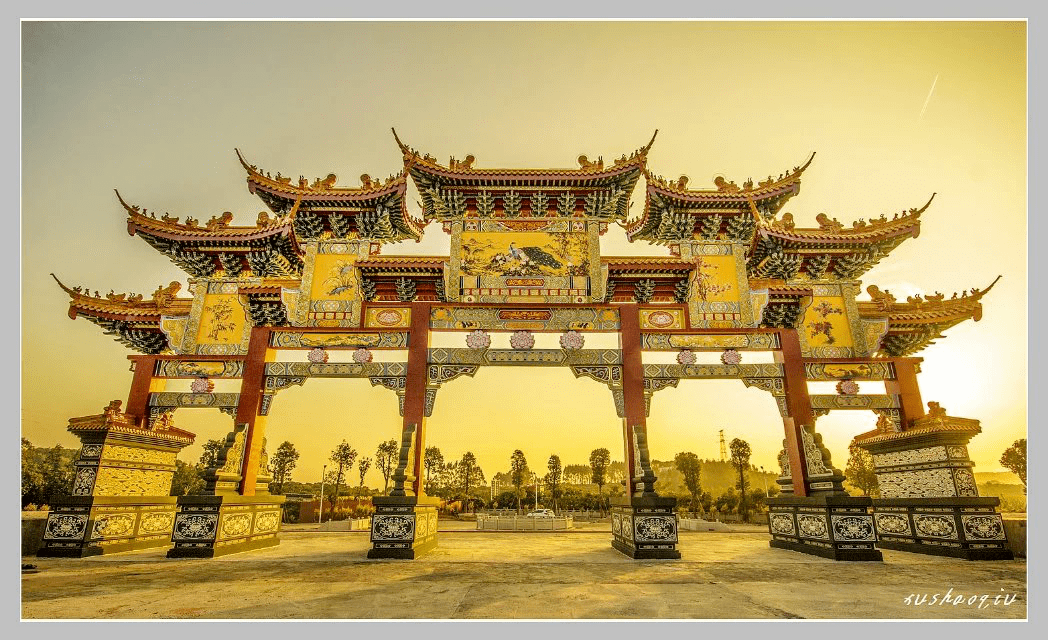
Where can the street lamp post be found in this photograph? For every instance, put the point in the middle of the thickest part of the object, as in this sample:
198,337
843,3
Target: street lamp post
320,516
765,478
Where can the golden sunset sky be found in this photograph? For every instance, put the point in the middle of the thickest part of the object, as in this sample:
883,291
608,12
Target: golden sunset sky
894,110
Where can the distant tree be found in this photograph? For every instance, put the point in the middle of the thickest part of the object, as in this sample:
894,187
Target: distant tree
616,473
386,458
505,500
1014,459
726,501
577,474
691,468
469,475
706,501
362,467
859,471
757,498
188,479
209,456
553,478
283,463
740,459
432,461
57,470
518,469
32,476
343,458
599,461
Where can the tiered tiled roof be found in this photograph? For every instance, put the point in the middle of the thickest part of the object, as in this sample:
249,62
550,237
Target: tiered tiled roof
376,209
673,213
916,323
267,249
112,420
129,318
782,250
451,191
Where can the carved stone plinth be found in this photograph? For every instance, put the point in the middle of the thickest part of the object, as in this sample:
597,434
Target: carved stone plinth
403,527
217,525
645,528
929,501
81,526
968,528
120,496
836,527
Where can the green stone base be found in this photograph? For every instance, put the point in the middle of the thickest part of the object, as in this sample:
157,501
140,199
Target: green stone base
403,553
644,554
956,527
211,551
831,552
403,527
645,528
951,552
830,526
213,526
82,526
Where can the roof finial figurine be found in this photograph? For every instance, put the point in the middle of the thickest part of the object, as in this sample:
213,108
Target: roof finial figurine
586,165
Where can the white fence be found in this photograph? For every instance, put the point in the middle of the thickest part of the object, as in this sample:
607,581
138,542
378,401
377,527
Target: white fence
349,524
696,524
519,523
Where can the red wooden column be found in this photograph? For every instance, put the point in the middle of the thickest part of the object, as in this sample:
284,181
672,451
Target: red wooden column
905,386
415,389
141,387
249,405
798,406
632,388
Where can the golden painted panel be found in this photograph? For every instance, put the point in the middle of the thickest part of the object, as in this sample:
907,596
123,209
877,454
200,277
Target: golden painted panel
662,319
523,253
715,279
223,320
200,368
388,317
826,323
115,481
335,277
709,341
138,454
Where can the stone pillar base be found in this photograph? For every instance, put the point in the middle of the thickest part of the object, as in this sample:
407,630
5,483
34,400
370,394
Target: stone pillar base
645,528
835,527
403,527
958,527
80,526
217,525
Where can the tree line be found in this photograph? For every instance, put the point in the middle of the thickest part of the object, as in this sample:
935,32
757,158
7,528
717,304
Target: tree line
47,474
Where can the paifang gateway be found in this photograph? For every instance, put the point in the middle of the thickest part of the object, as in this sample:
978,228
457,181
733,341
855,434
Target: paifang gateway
737,276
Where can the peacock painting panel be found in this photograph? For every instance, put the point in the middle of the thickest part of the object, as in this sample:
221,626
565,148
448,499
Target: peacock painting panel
504,254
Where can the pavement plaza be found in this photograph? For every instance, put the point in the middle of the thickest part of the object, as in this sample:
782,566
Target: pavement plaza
577,574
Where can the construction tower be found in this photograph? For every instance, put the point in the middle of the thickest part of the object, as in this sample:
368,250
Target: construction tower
723,447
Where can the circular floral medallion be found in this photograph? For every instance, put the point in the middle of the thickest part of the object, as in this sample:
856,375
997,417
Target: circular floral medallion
202,385
522,340
478,340
389,317
731,356
686,357
572,340
847,387
362,356
317,355
660,319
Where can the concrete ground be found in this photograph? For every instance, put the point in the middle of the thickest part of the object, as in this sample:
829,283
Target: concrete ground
517,575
